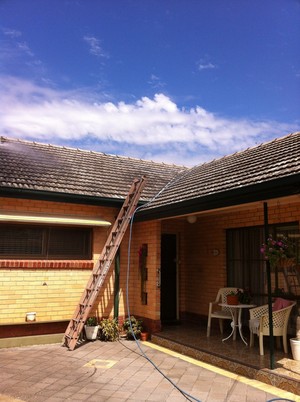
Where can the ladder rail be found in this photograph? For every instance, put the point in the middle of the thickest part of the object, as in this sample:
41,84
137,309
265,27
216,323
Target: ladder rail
292,279
103,265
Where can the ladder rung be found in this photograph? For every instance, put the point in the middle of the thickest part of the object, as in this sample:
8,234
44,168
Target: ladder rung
104,263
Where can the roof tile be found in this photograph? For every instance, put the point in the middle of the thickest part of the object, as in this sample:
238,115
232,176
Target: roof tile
41,167
272,160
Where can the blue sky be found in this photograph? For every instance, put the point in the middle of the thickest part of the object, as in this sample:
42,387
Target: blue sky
178,81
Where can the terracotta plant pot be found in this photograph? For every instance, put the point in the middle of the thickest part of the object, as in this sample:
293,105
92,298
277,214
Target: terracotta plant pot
232,299
144,336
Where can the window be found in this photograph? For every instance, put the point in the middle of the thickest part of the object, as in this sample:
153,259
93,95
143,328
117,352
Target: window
291,232
244,260
42,242
245,263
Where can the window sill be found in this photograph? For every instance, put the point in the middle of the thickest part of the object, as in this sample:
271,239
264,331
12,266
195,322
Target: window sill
46,264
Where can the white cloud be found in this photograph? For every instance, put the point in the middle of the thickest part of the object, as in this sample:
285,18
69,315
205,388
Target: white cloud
95,46
207,66
155,82
25,48
150,128
15,52
12,33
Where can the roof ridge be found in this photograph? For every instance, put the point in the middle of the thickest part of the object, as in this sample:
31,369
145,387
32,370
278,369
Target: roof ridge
277,139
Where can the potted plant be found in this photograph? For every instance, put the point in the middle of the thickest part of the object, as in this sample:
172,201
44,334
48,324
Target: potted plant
244,296
133,327
232,298
91,328
277,251
109,330
295,342
144,336
280,253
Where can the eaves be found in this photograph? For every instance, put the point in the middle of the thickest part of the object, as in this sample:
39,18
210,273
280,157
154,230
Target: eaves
60,197
258,192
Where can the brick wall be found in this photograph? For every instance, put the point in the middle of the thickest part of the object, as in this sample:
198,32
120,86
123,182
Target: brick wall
206,273
200,271
146,233
52,289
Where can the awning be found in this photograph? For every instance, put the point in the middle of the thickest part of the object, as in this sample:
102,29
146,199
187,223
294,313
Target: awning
55,220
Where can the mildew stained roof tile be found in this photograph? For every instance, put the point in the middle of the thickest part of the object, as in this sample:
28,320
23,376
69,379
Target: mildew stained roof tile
32,166
28,165
269,161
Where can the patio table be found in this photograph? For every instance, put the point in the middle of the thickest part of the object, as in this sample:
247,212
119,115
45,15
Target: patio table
236,314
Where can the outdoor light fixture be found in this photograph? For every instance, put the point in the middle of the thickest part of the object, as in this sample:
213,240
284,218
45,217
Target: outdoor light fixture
191,218
30,317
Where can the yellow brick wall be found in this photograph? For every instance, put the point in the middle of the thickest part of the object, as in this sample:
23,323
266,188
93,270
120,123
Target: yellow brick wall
50,292
201,273
145,233
54,293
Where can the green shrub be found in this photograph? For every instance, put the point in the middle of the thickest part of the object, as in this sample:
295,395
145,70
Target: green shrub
109,330
135,327
91,322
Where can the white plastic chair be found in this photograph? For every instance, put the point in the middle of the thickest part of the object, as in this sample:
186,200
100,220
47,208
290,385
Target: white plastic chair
216,311
259,324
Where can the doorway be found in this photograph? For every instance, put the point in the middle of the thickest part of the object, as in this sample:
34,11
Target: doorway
168,290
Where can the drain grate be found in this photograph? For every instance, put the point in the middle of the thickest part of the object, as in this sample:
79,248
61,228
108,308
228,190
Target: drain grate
99,363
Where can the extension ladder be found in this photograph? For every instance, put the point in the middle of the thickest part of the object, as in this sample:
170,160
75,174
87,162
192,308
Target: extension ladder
292,279
99,273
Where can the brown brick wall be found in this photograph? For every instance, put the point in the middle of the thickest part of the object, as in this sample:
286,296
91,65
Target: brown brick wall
201,273
206,273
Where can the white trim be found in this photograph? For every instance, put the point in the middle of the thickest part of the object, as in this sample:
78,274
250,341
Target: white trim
65,220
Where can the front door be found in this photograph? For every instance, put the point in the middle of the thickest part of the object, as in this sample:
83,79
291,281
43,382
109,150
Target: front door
168,300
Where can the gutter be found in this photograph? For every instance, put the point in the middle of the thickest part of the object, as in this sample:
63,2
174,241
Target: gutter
257,192
61,197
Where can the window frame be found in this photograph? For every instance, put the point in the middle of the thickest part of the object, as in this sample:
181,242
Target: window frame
45,235
238,269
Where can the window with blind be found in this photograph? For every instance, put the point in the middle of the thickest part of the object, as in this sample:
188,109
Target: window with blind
245,263
245,266
43,242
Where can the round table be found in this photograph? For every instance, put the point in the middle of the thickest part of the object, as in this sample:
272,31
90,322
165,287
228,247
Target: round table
236,314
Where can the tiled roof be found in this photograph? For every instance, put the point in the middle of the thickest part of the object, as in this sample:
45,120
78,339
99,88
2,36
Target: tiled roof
33,166
38,167
273,160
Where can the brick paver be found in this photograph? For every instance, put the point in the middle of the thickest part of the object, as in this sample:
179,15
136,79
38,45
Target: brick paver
116,372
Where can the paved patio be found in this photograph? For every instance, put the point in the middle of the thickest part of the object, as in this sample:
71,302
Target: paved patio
115,372
231,355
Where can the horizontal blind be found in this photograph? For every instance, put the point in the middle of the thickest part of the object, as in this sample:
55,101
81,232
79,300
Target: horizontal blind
42,242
